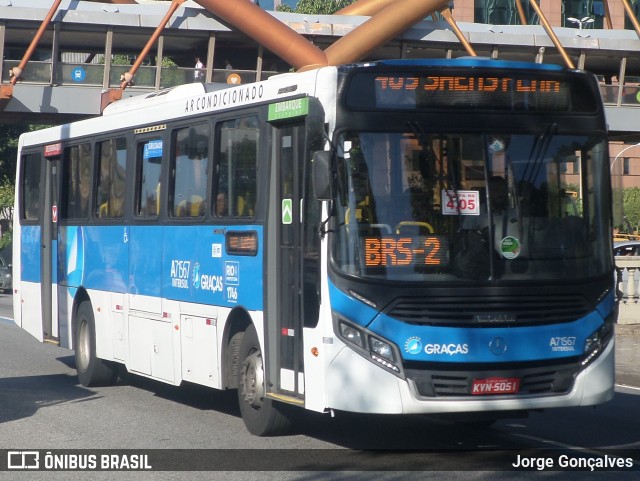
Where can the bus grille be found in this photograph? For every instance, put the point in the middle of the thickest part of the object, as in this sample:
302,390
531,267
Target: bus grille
552,379
489,310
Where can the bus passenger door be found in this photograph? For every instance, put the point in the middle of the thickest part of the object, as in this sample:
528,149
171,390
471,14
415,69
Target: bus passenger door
284,336
33,258
52,329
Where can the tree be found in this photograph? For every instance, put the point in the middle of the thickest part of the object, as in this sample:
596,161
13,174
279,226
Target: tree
9,135
316,7
9,149
7,195
632,206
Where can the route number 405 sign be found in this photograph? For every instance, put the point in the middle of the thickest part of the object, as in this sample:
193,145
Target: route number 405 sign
460,202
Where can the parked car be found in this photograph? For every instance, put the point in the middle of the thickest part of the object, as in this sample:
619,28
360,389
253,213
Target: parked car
626,248
6,277
623,249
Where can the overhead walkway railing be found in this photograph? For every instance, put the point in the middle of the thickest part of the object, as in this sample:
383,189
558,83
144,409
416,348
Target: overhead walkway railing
614,93
93,74
127,77
6,91
619,89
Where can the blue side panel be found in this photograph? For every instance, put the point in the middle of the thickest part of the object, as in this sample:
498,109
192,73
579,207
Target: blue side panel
30,241
106,258
197,268
145,248
71,256
185,263
474,345
95,257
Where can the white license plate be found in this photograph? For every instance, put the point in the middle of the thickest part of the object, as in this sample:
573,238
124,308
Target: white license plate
495,385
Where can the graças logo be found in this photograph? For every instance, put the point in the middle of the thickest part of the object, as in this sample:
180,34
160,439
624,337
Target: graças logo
413,345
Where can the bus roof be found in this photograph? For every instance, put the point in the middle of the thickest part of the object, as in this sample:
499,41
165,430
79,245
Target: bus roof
470,62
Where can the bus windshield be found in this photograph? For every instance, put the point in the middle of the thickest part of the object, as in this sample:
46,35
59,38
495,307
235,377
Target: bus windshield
415,206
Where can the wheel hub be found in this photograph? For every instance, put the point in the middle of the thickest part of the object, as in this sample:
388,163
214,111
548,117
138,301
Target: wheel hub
83,346
252,380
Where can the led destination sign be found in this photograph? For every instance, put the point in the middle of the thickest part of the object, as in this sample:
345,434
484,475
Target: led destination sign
468,84
451,89
399,251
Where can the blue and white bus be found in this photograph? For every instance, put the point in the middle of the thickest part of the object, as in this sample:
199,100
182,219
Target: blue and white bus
426,236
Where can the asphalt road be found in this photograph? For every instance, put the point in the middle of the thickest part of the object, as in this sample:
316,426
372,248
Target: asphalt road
42,407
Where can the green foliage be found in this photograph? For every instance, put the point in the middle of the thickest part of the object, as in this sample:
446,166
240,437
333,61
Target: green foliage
9,135
632,206
7,195
316,7
8,149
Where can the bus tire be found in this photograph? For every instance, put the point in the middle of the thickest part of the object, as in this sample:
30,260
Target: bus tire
92,371
262,416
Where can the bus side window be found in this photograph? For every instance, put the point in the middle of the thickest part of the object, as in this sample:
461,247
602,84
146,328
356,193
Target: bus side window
190,171
77,178
235,183
112,168
148,169
31,186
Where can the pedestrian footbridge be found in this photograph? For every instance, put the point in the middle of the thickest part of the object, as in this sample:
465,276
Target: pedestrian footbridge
87,47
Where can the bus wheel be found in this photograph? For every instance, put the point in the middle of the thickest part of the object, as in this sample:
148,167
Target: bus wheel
91,370
261,416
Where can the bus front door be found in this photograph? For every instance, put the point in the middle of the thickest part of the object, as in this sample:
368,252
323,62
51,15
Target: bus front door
283,326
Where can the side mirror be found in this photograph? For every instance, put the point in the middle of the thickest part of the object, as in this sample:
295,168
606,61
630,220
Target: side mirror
321,171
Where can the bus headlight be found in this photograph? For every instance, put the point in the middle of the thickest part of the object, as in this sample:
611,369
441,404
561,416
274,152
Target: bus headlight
597,341
351,334
373,348
381,348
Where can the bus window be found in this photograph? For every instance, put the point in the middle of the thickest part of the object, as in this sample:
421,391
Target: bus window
77,172
190,171
235,183
148,168
112,167
31,186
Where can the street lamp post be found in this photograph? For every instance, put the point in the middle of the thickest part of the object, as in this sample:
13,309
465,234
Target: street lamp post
624,217
622,152
581,22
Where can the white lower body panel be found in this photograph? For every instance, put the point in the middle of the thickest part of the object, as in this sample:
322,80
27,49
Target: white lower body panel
357,385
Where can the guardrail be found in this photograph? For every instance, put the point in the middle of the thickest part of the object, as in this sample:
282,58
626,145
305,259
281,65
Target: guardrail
627,95
92,74
628,276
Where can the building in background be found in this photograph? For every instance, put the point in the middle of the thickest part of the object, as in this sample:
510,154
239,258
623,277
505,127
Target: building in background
560,13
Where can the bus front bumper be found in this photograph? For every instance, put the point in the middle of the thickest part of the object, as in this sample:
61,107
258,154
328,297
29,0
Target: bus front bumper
357,385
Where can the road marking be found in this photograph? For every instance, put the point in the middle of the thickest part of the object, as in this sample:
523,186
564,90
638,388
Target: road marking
627,387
